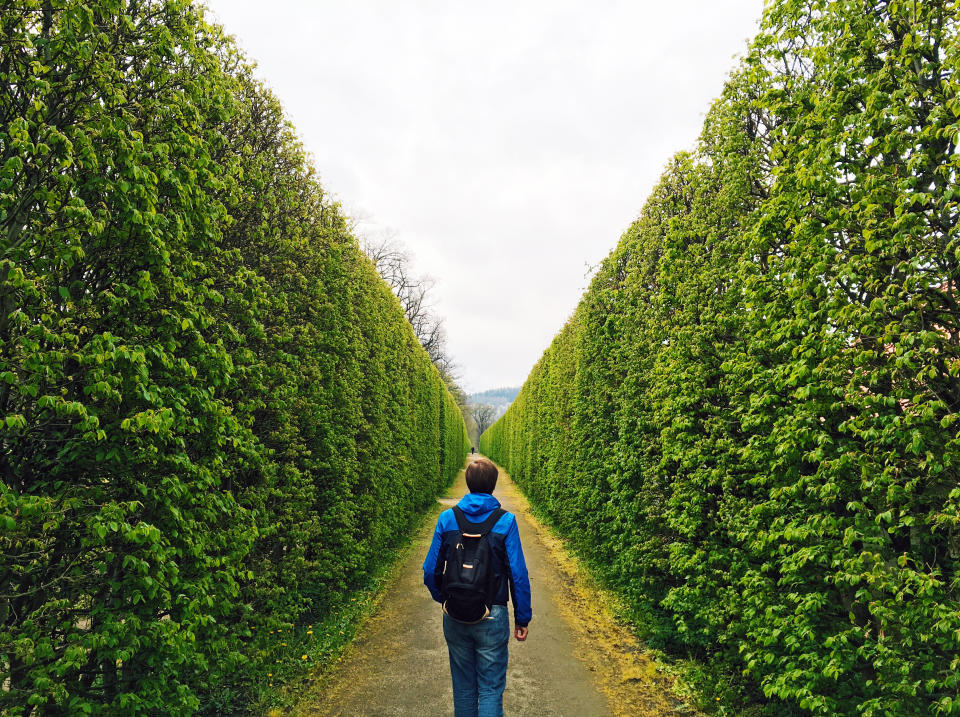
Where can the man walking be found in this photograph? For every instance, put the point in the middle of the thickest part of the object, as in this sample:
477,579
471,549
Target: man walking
478,539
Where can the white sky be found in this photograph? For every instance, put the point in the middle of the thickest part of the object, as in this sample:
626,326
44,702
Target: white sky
509,144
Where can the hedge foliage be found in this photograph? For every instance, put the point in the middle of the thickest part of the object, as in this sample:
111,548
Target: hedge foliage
750,423
215,417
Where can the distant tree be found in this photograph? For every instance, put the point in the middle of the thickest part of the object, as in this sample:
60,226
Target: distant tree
483,416
393,262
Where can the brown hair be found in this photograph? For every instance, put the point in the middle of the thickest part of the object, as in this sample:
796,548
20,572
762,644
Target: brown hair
481,476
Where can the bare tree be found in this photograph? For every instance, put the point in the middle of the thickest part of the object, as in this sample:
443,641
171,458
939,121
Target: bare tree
393,262
483,415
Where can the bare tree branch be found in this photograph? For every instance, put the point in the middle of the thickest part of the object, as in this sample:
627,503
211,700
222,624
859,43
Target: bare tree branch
393,262
483,415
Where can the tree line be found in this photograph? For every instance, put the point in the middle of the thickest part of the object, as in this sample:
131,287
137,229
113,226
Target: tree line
750,423
215,419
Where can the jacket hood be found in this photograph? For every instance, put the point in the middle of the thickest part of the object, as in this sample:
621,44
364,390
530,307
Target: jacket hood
477,505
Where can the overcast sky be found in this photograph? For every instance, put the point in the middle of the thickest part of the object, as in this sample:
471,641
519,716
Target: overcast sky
509,144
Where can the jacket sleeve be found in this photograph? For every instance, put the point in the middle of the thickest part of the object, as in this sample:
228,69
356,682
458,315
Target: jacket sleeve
430,565
519,580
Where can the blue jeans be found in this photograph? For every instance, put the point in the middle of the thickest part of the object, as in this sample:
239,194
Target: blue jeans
478,663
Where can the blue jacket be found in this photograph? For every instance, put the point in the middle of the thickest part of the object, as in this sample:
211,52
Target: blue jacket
504,542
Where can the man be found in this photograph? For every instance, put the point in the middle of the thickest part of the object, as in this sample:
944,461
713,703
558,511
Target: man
479,649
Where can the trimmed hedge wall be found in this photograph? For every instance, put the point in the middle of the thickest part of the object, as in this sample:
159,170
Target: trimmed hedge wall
750,422
214,417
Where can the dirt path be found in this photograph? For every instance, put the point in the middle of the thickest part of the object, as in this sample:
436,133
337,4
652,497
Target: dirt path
576,662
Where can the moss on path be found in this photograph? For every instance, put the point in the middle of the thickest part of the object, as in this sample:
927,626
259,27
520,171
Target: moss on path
577,661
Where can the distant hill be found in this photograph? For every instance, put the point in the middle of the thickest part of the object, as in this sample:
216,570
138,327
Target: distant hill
499,398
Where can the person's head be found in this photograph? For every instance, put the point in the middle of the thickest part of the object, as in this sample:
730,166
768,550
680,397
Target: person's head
481,476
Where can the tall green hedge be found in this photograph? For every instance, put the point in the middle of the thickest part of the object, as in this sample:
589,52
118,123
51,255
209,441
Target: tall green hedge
214,416
750,424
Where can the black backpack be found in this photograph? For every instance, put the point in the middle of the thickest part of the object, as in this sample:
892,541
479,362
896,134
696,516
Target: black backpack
469,572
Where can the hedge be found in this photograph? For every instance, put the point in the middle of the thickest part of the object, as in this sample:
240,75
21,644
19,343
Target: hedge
750,423
216,419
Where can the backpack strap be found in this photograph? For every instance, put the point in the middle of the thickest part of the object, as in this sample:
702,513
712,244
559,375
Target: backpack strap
466,527
487,525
